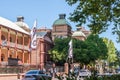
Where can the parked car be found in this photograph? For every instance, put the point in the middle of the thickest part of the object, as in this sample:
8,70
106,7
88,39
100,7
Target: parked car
76,71
118,70
84,72
36,75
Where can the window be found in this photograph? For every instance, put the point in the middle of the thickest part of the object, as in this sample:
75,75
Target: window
10,39
3,37
2,57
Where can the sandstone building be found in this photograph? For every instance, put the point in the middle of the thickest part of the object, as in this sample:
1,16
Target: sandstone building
15,40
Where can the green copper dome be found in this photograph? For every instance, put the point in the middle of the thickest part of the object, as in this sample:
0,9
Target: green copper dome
61,20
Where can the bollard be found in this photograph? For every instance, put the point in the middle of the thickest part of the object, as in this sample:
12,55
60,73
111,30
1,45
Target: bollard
18,76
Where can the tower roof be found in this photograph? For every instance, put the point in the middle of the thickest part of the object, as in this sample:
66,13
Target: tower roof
61,20
20,22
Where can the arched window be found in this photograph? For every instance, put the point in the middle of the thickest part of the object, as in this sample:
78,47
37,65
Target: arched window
2,57
10,39
10,56
3,37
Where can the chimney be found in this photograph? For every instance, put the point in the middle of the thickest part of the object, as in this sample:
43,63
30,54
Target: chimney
62,16
20,19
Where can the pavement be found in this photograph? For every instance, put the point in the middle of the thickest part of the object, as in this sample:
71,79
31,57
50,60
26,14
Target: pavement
15,77
10,77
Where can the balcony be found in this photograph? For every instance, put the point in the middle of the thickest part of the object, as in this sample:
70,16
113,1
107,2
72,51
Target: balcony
19,46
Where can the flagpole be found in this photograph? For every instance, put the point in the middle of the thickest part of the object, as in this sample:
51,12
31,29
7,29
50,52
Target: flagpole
36,55
36,47
70,57
34,40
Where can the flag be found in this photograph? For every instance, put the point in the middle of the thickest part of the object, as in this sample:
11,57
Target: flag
34,36
70,54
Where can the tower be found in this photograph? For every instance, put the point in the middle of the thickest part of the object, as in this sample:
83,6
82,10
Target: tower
61,28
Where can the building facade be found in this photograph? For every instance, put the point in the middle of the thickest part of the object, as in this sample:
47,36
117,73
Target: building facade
81,33
15,40
61,28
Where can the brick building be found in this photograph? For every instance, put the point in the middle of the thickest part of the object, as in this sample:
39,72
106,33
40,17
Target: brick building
15,40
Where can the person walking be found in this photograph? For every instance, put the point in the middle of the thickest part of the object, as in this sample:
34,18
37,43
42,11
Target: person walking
53,71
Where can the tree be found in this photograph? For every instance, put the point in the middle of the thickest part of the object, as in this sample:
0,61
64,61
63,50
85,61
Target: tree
84,52
117,31
59,52
97,14
111,54
88,51
118,57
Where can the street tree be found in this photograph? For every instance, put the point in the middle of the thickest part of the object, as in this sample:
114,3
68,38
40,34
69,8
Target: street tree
96,48
97,14
59,52
111,54
118,57
84,52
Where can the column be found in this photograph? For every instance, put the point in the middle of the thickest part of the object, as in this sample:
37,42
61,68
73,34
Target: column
8,37
16,54
29,57
0,34
29,46
23,41
8,51
23,56
16,40
8,42
0,43
66,70
0,54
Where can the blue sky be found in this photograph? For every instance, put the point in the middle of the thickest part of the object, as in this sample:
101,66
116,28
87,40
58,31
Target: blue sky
45,11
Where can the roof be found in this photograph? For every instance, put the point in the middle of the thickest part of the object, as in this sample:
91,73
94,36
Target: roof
41,34
78,33
10,24
61,22
22,24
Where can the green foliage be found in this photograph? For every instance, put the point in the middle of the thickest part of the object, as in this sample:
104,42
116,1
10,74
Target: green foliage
60,50
118,57
97,45
84,52
97,14
91,49
111,54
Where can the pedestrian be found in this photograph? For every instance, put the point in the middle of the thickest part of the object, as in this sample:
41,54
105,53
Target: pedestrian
44,70
53,71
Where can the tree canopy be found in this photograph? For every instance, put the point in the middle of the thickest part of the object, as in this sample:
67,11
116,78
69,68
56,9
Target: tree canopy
60,50
84,52
111,54
97,14
92,48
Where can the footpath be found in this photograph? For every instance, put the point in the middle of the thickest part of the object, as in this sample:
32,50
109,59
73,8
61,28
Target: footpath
14,77
10,76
